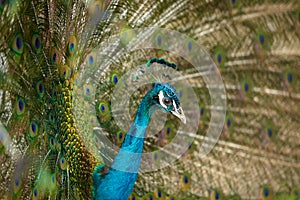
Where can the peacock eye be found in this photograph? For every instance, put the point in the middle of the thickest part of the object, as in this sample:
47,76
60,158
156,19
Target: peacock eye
167,101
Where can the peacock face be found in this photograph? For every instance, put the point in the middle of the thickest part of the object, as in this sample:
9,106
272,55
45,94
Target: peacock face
167,100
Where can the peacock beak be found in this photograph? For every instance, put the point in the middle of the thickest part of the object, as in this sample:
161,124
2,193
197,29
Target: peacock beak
179,113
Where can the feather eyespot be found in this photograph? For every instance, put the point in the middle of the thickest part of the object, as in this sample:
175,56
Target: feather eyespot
246,87
159,193
290,77
35,192
155,156
261,39
159,40
62,163
72,45
216,195
40,89
270,132
17,184
55,57
64,72
190,45
228,123
185,182
36,43
120,137
33,129
168,130
51,117
266,193
52,143
202,111
91,60
20,106
295,193
219,58
115,79
186,179
2,4
17,44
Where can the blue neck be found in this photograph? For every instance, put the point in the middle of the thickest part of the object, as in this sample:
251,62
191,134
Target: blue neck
144,113
129,156
119,181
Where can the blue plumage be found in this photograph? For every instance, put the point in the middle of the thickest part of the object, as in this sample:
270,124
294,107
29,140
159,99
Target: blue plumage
118,181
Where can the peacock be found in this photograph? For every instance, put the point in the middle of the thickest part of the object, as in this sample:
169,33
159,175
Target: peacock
126,164
79,80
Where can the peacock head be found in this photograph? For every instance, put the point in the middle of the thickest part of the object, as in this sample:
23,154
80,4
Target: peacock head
166,99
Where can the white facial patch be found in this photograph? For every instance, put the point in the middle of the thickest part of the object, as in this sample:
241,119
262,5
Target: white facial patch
174,105
161,97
